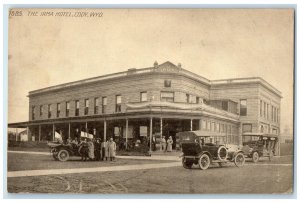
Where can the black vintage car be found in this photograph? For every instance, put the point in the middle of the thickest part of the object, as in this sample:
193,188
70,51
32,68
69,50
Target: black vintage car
198,148
256,145
62,152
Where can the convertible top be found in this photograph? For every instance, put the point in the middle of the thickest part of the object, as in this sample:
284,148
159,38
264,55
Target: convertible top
260,134
201,133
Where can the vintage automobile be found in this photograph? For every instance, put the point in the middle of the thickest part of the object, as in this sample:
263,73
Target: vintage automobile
62,152
256,145
198,148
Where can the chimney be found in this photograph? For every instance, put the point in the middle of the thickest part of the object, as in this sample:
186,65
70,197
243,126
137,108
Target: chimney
179,65
155,64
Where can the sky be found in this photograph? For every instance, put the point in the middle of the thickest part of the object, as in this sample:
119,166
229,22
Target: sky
214,43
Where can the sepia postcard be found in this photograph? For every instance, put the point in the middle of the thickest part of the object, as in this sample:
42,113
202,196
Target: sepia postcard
150,101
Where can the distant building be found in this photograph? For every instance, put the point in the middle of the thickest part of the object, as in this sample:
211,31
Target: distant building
160,100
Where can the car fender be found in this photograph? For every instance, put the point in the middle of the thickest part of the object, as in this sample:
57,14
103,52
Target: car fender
206,152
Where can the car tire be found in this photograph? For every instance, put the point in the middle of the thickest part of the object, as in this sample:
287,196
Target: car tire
239,159
222,153
63,155
204,162
186,164
255,157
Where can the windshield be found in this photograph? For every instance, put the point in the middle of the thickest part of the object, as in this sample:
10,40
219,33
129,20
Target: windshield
250,138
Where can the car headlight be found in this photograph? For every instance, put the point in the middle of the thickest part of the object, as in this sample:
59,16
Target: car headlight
251,149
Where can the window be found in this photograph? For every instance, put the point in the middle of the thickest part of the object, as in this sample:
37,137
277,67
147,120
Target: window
197,100
267,111
278,116
243,107
77,108
86,106
222,128
260,108
96,105
33,112
67,109
49,110
143,96
58,110
41,110
247,128
264,109
208,125
104,104
204,124
168,83
118,103
225,105
213,126
167,96
275,114
218,127
187,98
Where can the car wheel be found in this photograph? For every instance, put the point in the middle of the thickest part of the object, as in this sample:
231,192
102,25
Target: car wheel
186,164
204,162
255,157
239,159
63,155
222,153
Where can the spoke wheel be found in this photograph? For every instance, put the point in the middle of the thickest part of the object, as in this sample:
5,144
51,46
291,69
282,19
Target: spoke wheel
186,164
204,162
239,159
63,155
255,157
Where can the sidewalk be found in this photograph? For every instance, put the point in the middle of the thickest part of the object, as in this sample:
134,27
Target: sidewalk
164,157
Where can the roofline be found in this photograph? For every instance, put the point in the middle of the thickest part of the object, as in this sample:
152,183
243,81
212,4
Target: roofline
246,80
134,71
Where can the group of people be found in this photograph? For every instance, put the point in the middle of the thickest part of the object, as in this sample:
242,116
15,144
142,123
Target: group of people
167,144
94,149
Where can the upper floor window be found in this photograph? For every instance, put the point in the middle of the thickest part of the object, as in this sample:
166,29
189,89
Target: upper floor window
167,96
243,107
104,104
118,103
225,105
33,112
49,110
67,109
77,108
197,100
260,108
41,110
168,83
96,105
187,98
268,111
58,110
264,109
143,96
86,106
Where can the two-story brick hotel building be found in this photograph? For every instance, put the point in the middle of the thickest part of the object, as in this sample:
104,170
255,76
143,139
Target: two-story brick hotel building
156,101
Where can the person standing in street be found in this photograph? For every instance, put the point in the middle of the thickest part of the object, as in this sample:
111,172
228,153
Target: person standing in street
163,143
170,143
112,149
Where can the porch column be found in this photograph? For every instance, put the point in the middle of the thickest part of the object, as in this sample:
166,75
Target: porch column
191,124
104,136
126,133
86,129
150,148
16,134
40,131
53,131
27,129
161,132
69,133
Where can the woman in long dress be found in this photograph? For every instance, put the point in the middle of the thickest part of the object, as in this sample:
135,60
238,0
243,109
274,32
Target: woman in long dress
91,149
170,143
